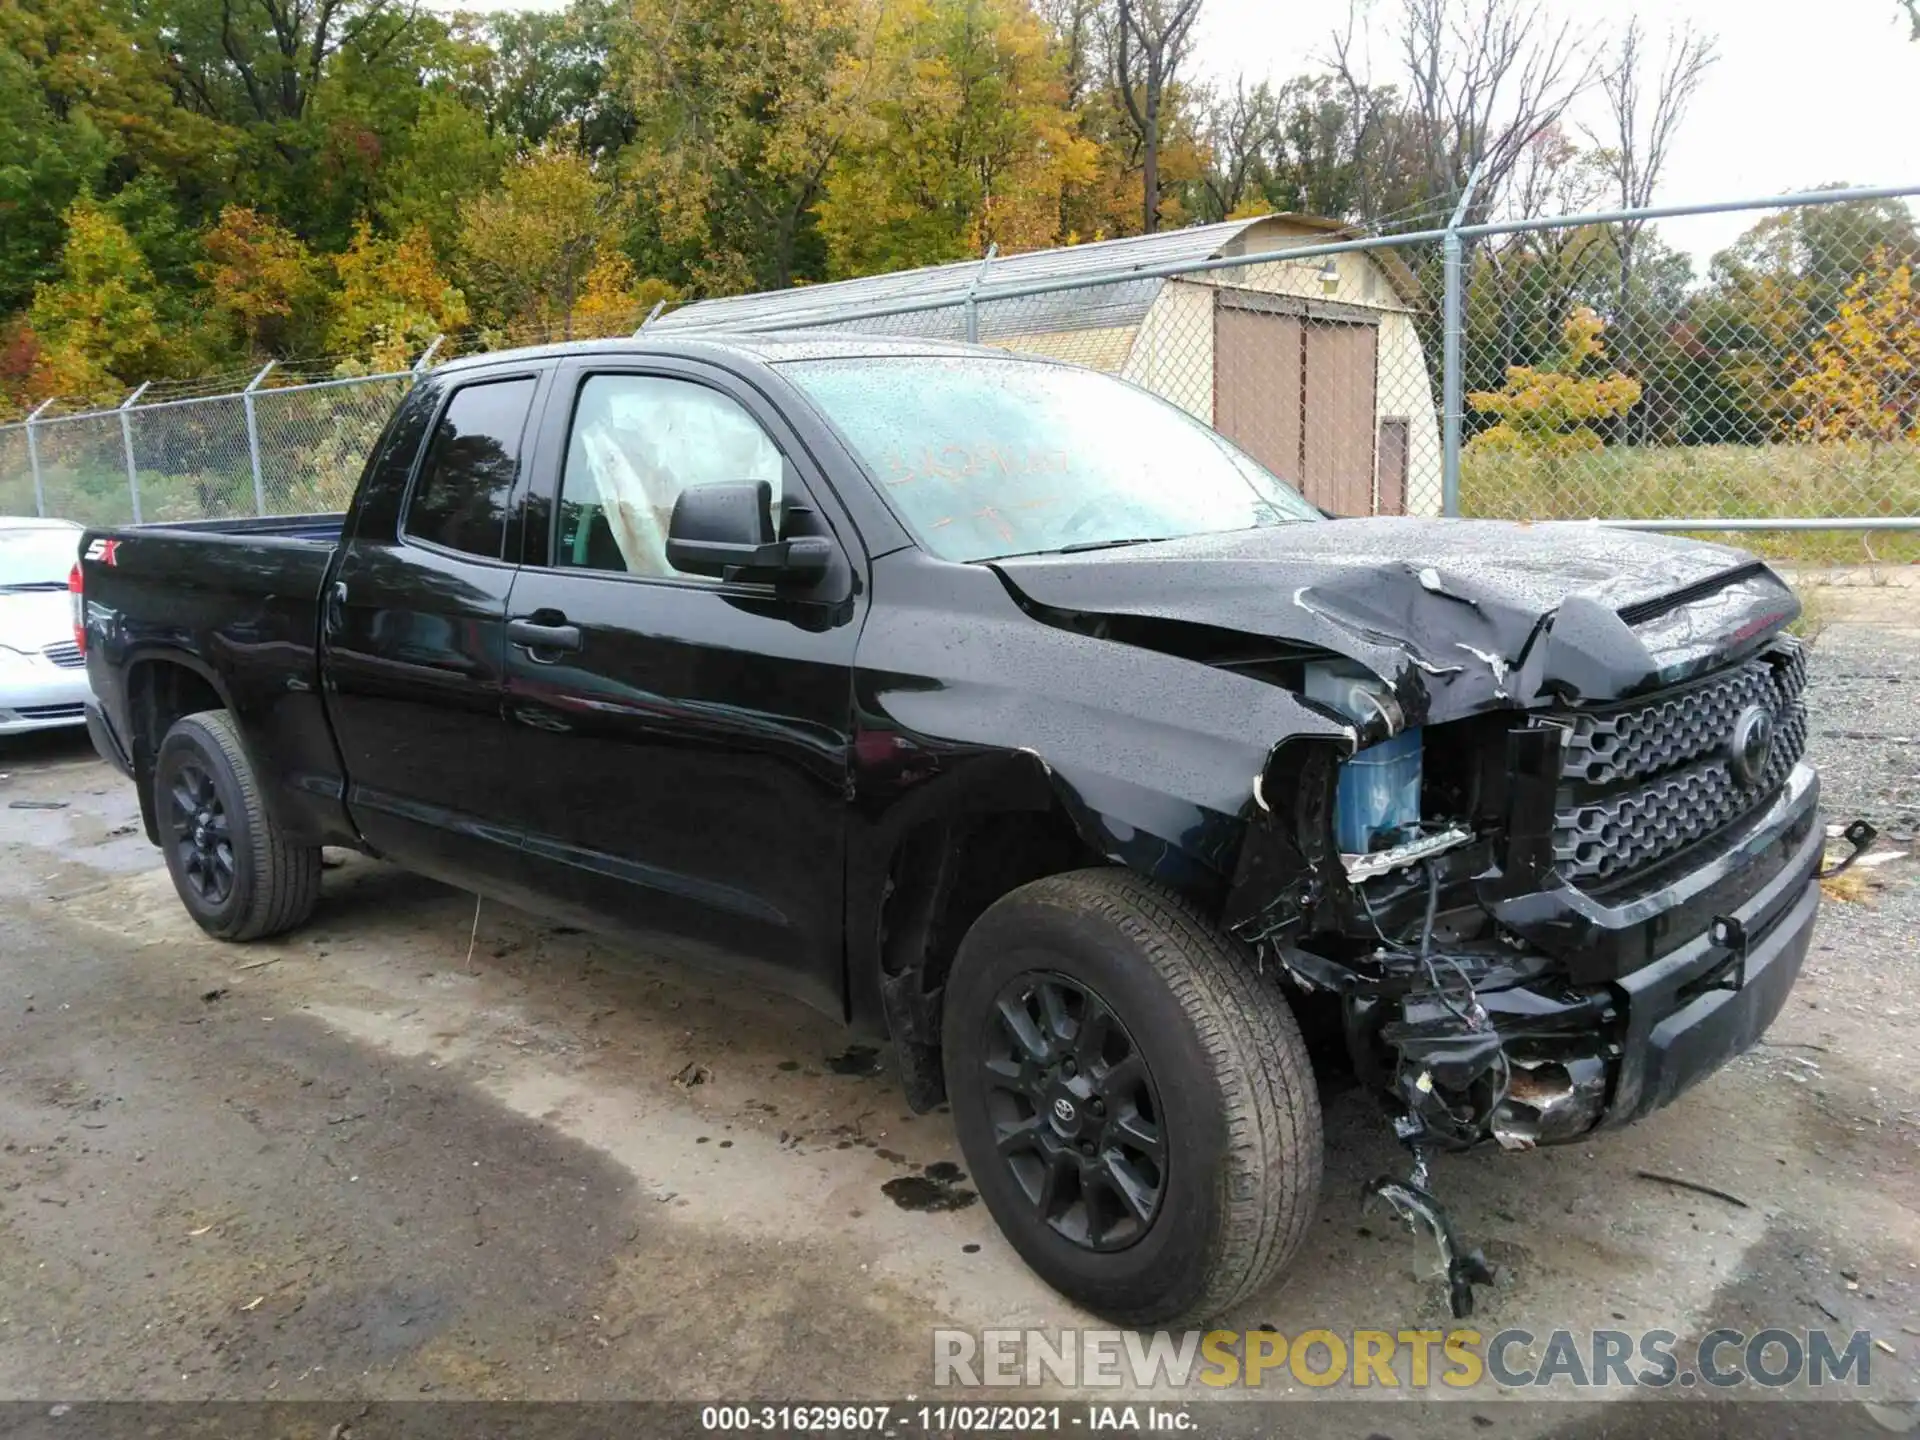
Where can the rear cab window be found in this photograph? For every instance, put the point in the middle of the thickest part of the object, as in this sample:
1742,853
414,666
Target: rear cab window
465,486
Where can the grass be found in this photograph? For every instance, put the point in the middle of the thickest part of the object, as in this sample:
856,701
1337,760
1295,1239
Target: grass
1722,481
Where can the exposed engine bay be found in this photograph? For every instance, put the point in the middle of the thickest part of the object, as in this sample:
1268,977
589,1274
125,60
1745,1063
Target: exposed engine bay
1547,868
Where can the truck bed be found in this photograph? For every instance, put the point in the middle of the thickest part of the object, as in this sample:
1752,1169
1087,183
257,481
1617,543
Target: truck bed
237,604
283,527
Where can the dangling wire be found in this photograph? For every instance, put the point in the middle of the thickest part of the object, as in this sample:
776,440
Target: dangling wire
1472,1014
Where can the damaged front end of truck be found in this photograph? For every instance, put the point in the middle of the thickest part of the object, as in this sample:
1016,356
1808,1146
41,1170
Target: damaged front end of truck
1560,863
1533,925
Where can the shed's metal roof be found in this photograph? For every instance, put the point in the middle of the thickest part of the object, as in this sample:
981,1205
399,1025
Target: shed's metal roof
942,288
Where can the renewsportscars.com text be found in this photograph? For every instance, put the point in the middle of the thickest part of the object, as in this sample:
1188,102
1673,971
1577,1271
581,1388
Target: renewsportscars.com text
1403,1359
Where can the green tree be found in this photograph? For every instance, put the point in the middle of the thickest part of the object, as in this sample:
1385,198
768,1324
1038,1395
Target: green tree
549,77
446,159
316,96
45,164
742,108
96,324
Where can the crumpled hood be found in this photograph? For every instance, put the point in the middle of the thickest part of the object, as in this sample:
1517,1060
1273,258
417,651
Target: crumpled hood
1456,615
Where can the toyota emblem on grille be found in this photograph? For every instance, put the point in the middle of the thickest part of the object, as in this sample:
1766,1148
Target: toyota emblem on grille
1752,744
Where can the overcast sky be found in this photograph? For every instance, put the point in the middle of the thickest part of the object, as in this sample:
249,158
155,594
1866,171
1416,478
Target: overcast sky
1806,92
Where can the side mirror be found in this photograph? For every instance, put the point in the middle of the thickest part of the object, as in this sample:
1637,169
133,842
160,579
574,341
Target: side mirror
727,531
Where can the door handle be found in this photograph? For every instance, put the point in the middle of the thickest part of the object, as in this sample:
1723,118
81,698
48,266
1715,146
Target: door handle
535,637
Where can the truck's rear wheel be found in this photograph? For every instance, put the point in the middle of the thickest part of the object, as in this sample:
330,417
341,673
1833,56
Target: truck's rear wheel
235,872
1133,1100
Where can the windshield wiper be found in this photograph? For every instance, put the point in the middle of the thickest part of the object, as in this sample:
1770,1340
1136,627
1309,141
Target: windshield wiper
1080,545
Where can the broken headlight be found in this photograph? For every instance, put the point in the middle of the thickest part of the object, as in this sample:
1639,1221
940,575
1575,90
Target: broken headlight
1377,804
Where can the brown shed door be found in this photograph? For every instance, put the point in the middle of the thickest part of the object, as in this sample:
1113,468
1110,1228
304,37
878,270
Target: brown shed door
1297,393
1256,385
1338,446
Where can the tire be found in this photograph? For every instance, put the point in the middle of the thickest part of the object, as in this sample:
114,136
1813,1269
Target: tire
1233,1106
235,872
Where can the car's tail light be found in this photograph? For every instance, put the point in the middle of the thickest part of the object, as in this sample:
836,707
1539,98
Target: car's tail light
76,596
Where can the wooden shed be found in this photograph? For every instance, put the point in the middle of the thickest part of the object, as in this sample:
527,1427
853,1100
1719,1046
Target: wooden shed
1313,365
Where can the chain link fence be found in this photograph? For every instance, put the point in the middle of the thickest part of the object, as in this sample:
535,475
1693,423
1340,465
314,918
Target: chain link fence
1747,366
295,449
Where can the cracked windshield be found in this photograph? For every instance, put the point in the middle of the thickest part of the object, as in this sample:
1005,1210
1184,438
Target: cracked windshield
985,458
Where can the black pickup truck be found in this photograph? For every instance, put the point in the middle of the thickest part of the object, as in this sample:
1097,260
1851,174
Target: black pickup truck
1011,714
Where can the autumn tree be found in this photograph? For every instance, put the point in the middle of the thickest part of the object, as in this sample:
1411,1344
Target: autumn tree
1772,295
262,282
1864,379
393,301
614,299
527,248
971,146
1551,411
103,65
96,323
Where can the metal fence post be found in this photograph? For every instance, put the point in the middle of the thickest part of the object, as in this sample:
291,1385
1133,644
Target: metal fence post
33,459
426,358
253,439
972,306
126,442
1453,324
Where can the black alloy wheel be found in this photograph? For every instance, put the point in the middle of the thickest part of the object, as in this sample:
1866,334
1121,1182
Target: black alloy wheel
1132,1097
233,865
199,832
1076,1115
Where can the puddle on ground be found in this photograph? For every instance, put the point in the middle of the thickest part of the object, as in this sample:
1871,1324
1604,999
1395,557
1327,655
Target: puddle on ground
855,1060
935,1188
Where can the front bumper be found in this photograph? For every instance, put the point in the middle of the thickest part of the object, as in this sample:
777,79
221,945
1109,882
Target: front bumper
38,695
1570,1052
1680,1027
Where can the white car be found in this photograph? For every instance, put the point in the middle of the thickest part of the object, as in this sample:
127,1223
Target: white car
43,675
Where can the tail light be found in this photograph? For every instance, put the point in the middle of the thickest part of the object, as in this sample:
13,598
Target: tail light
76,596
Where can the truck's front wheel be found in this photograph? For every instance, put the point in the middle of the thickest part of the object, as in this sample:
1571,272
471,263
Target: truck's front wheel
1134,1101
235,872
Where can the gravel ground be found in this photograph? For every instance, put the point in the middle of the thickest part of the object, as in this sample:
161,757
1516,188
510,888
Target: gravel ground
360,1162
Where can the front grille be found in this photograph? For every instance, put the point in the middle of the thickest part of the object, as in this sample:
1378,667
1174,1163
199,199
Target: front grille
66,655
1643,781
